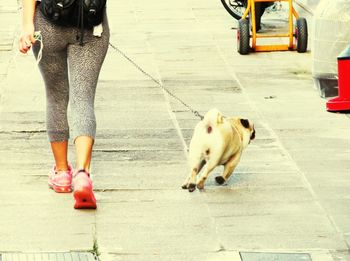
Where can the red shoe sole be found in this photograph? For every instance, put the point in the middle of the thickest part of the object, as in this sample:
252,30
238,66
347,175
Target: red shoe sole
84,199
61,189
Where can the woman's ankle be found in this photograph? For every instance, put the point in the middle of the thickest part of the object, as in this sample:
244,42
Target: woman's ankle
83,167
82,171
62,167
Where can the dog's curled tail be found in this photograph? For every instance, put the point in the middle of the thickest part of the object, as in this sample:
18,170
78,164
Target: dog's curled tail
212,119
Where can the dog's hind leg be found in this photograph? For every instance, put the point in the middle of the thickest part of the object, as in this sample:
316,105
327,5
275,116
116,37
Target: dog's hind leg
190,182
186,183
210,166
229,168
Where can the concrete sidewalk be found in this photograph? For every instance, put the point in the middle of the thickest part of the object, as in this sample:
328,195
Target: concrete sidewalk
290,192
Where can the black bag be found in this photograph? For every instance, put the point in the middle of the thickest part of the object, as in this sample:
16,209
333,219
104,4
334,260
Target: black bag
74,13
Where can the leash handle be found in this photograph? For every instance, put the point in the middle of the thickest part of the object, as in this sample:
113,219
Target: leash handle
38,37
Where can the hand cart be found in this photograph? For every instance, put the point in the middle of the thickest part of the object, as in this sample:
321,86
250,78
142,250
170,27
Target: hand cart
243,33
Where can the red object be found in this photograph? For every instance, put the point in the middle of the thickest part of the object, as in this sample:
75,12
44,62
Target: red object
342,102
83,193
61,181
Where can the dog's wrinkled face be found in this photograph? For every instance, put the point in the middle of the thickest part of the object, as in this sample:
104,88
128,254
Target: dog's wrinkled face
250,126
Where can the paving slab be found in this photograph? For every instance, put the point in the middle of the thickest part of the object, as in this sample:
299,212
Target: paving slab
341,255
209,256
251,256
68,256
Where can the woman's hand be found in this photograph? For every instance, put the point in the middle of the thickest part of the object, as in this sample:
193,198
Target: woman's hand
27,38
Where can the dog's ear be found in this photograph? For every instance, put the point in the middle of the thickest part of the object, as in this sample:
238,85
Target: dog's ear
252,137
219,118
245,123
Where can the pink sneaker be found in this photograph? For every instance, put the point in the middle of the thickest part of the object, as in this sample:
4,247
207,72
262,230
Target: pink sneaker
61,181
83,193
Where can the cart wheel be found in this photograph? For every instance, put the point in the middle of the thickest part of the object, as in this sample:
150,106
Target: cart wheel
301,35
243,36
235,8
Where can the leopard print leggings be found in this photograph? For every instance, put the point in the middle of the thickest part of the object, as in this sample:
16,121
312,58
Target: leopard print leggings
70,72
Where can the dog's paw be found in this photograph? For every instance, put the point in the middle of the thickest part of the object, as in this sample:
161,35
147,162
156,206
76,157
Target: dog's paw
191,187
184,186
220,180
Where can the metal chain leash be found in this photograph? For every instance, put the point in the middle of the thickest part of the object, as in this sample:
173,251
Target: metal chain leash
196,113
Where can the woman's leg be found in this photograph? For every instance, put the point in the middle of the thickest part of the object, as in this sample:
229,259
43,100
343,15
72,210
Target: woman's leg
83,146
84,67
53,67
54,71
60,153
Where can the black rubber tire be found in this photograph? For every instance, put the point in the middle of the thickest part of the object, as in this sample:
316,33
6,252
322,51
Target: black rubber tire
301,35
243,36
234,8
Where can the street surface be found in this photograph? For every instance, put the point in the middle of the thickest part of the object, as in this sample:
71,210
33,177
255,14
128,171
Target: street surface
289,194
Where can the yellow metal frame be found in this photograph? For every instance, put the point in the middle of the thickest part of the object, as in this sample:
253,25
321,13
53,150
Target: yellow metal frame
279,47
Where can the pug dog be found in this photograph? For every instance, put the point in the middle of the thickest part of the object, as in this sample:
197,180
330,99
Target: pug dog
217,140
